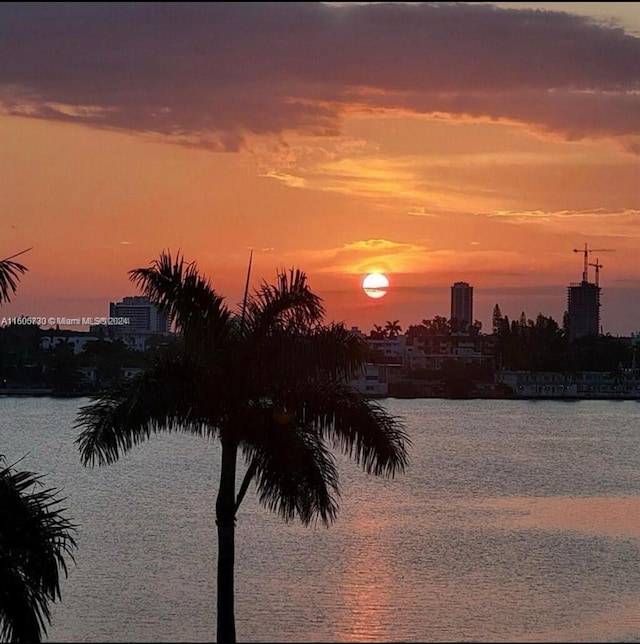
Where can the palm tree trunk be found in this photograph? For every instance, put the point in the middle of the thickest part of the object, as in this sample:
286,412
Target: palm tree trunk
225,519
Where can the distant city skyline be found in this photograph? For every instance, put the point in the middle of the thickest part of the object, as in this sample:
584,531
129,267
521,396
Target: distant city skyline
442,297
341,139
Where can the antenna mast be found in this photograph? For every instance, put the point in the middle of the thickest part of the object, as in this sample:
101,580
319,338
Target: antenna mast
246,292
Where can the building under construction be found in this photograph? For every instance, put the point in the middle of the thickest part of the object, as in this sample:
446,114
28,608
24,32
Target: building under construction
583,302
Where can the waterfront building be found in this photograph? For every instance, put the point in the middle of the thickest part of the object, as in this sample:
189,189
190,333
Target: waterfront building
583,310
371,380
461,307
142,316
583,301
576,384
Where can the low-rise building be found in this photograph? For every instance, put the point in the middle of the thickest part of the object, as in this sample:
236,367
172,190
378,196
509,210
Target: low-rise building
78,341
390,348
371,381
579,384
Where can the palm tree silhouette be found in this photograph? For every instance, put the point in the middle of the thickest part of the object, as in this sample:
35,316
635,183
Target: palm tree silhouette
10,273
270,383
34,537
34,534
378,332
392,328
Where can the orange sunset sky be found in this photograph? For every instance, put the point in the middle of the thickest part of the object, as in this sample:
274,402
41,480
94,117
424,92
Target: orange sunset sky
435,142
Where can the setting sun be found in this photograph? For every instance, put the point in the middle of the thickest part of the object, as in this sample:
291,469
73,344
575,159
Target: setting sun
375,285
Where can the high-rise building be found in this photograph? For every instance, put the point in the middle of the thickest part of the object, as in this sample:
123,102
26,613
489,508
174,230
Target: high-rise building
143,316
461,307
583,301
583,310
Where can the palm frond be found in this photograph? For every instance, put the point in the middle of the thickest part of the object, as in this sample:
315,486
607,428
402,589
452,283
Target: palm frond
168,396
35,537
295,473
299,355
289,303
24,613
361,428
178,288
330,352
10,273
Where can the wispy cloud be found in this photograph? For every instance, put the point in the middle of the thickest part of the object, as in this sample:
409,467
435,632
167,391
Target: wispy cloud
418,262
363,256
376,245
419,211
536,216
213,74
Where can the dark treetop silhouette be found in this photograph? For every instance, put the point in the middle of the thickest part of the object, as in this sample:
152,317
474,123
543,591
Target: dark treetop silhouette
269,383
34,534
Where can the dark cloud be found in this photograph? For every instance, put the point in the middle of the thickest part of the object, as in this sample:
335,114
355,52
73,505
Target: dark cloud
208,73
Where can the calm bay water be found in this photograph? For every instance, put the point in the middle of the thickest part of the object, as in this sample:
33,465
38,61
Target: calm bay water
515,521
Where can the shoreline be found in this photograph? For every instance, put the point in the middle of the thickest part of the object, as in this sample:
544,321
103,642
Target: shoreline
48,393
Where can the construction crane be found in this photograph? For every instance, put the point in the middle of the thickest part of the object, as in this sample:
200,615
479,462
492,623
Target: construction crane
597,266
586,262
586,251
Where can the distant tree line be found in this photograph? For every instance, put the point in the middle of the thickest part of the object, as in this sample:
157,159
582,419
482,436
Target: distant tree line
544,345
524,344
25,364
